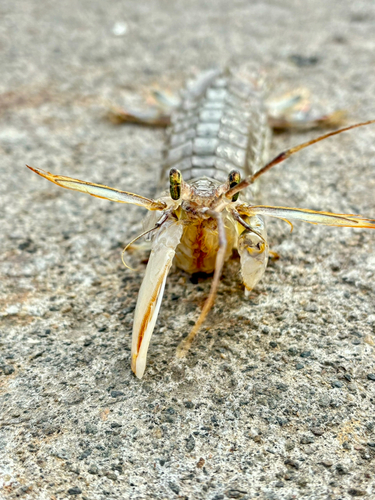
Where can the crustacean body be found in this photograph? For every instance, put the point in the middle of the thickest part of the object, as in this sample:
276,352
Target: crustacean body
216,147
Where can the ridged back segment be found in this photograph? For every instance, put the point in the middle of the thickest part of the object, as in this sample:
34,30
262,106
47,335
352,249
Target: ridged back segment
220,125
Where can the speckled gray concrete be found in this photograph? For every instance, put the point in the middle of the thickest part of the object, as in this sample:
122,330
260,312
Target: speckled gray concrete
276,398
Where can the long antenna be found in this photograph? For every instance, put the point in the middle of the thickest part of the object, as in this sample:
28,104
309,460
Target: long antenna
286,154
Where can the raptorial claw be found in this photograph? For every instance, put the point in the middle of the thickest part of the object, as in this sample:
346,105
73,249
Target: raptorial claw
151,292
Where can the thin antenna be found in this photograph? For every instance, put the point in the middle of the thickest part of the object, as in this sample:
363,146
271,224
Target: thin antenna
286,154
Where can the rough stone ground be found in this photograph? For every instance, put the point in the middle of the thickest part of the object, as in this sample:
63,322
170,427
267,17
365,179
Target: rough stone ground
276,398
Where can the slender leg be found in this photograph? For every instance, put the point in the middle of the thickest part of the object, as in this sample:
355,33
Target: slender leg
274,255
153,116
183,348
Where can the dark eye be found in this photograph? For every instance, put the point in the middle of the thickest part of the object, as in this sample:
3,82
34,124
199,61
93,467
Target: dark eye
234,178
175,180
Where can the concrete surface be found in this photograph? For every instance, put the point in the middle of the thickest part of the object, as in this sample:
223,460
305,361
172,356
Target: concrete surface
276,398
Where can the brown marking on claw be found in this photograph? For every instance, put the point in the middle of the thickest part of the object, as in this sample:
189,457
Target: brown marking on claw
146,319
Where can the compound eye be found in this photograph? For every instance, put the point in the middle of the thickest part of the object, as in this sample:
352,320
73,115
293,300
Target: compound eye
175,181
234,178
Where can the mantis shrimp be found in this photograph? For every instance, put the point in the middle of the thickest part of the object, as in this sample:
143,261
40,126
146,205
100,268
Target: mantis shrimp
216,149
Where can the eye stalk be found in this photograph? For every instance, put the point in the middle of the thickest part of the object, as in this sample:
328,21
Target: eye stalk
175,181
234,178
